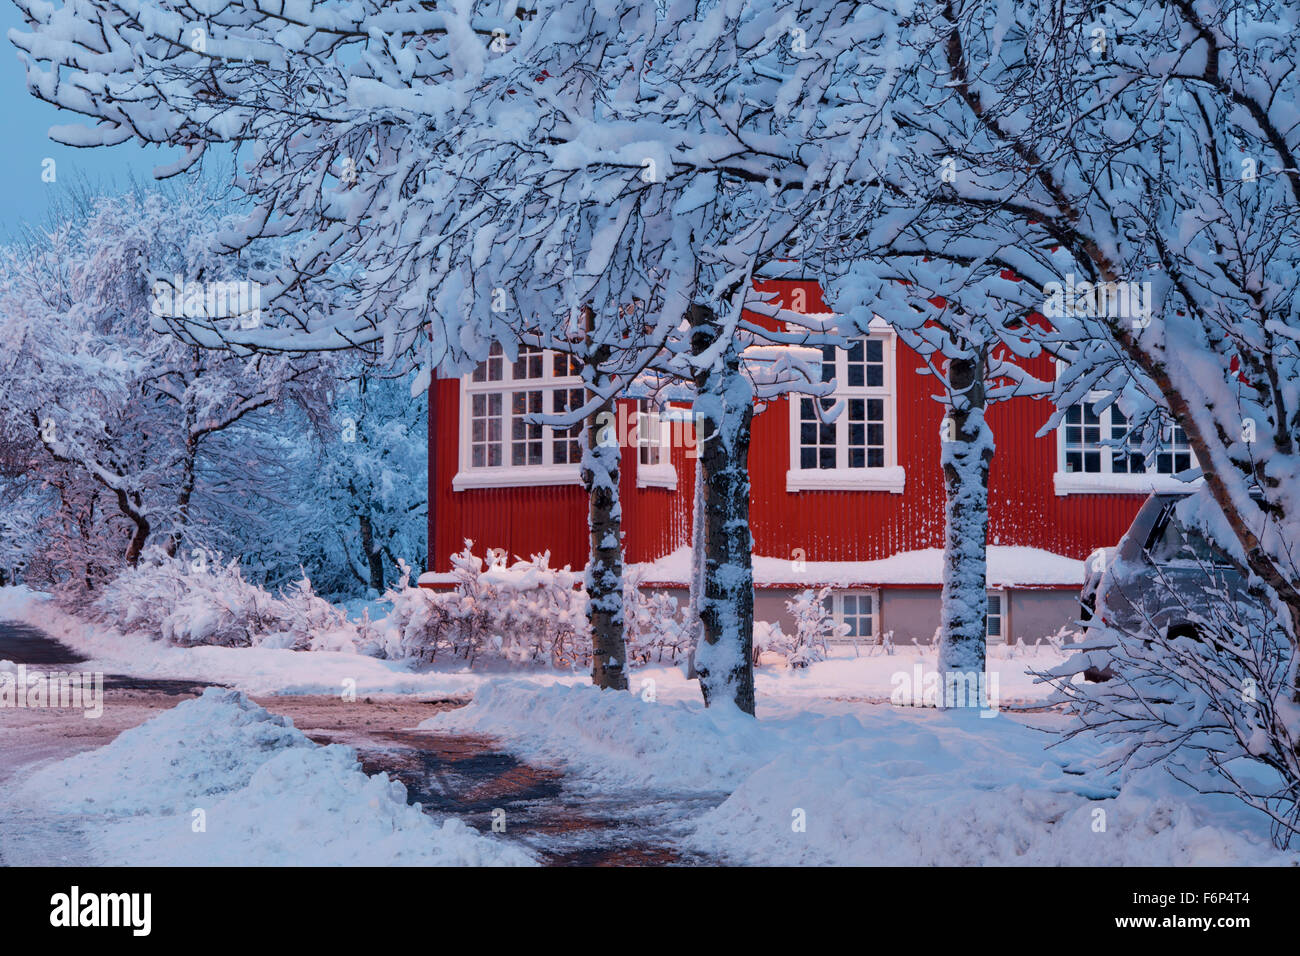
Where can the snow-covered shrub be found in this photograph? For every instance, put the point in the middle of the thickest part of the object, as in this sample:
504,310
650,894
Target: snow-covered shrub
1213,707
768,636
524,613
885,646
814,626
1065,638
654,626
209,602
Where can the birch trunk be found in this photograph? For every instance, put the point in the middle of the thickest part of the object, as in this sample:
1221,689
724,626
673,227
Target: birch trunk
724,407
604,579
697,562
968,446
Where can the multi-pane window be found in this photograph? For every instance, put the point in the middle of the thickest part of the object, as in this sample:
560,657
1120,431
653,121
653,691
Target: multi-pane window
526,443
994,618
1099,443
506,398
485,430
856,439
856,610
649,435
566,443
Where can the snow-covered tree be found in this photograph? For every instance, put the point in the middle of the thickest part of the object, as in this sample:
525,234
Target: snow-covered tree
118,420
435,163
367,508
1112,184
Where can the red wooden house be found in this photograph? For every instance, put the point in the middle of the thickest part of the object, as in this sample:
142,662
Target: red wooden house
857,504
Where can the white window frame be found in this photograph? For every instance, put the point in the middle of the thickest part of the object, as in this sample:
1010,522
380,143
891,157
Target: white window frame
1003,616
891,477
507,475
661,474
836,597
1107,481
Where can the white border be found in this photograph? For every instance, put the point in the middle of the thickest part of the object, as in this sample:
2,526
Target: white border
1095,483
662,475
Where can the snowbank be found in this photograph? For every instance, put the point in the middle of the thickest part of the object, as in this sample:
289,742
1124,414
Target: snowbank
254,670
950,795
884,785
219,781
615,739
1007,567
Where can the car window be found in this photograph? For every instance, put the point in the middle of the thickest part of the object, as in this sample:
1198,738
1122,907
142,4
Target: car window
1171,543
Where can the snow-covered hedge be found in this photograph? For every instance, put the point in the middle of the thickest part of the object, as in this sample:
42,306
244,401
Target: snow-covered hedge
526,612
657,631
201,601
522,613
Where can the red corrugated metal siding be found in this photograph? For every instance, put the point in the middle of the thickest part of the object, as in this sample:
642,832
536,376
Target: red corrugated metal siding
524,521
656,520
530,520
825,525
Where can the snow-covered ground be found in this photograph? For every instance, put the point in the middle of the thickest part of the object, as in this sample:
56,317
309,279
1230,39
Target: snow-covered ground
839,784
268,670
830,773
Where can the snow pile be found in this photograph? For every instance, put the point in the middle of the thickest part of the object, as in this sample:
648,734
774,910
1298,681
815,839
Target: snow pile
179,759
1008,566
615,739
886,785
219,781
201,602
961,791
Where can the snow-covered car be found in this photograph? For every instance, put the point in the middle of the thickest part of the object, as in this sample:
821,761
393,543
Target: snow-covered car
1094,569
1161,577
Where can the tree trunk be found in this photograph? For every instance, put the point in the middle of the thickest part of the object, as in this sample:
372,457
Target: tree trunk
186,493
724,409
141,533
697,562
374,557
967,445
604,579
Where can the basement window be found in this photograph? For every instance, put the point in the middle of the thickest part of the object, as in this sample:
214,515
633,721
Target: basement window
856,609
995,618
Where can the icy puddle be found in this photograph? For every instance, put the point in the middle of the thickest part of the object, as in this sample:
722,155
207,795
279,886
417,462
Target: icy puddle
473,778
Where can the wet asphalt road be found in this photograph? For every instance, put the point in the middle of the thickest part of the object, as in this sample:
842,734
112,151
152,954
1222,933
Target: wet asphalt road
469,777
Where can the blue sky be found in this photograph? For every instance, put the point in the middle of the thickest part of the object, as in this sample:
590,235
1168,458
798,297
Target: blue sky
26,144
